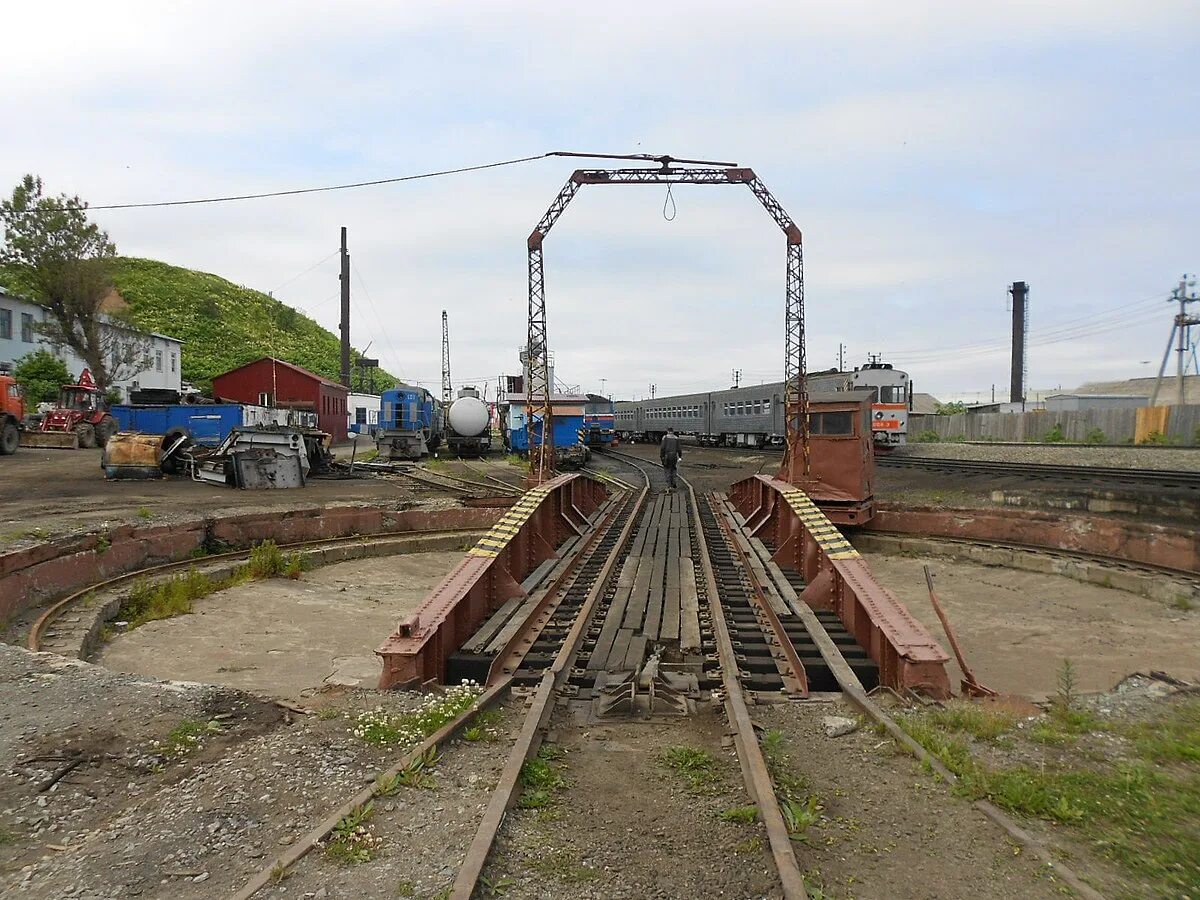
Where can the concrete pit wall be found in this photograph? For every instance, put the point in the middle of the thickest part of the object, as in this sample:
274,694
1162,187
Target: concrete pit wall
46,572
1135,542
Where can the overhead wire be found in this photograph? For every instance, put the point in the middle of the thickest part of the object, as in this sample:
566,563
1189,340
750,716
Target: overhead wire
230,198
375,313
311,268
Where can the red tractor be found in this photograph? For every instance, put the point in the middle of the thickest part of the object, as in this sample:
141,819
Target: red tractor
80,420
12,413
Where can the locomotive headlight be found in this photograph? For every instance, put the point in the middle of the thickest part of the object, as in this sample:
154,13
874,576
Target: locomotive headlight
879,414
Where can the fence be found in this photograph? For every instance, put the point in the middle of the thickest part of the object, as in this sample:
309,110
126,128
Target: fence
1116,426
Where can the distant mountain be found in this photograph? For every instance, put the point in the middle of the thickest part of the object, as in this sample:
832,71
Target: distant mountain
222,324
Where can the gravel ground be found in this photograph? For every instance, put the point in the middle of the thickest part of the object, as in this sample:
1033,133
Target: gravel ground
624,825
886,828
145,816
424,832
1168,460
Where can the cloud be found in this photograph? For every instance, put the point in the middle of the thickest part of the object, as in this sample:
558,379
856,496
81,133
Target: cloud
931,152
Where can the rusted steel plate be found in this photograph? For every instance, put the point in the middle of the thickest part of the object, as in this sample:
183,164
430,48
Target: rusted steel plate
837,578
490,575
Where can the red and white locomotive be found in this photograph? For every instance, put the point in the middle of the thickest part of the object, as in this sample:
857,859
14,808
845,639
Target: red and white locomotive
893,398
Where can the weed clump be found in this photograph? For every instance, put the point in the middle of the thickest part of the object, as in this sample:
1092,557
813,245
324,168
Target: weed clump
696,767
352,840
540,779
377,726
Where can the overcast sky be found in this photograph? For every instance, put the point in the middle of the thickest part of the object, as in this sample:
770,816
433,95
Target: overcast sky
931,153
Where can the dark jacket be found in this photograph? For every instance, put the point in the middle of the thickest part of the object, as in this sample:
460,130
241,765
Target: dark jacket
670,451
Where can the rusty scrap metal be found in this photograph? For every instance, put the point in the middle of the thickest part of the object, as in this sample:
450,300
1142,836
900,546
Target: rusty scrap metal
806,541
970,684
538,388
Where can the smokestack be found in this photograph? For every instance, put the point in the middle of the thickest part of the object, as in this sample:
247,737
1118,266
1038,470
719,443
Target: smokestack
1020,317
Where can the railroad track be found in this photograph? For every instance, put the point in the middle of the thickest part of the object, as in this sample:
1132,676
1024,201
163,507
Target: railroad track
1092,474
664,611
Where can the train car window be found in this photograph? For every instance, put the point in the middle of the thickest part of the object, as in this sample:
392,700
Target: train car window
766,407
891,394
758,407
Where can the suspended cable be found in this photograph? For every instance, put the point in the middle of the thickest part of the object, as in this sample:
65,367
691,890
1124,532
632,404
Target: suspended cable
297,191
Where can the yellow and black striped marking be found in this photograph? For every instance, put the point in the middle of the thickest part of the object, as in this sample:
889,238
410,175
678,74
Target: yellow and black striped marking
824,532
503,531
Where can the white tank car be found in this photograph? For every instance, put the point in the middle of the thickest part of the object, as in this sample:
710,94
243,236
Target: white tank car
469,416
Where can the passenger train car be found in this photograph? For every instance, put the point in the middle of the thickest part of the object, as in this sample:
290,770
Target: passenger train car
755,416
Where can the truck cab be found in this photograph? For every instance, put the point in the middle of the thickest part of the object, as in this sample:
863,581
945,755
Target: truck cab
12,413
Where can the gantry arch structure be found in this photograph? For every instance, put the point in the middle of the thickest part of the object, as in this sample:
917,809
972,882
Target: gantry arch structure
538,389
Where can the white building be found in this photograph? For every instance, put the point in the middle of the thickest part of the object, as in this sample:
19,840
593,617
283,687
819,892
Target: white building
20,336
362,413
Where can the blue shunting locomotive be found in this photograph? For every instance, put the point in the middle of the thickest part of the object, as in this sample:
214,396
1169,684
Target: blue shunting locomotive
410,423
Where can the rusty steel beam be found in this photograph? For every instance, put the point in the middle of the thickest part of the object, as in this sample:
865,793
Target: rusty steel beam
537,390
804,540
491,573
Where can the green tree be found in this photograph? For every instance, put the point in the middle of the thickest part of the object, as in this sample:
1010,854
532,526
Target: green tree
949,409
41,373
63,260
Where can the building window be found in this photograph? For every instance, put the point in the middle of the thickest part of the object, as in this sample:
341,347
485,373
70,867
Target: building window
173,360
157,360
27,328
264,399
6,324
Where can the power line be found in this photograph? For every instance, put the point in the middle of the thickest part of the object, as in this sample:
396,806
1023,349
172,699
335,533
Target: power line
315,265
297,191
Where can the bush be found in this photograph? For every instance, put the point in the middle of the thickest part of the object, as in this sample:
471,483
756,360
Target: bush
928,436
1095,436
1054,435
41,374
1155,437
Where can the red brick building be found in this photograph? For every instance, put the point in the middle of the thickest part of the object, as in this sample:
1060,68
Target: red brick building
273,382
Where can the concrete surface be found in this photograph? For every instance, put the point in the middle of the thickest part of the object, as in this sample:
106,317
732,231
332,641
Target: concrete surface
286,638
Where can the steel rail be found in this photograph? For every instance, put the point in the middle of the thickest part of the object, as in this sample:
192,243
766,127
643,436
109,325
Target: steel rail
765,612
853,690
56,609
300,848
754,765
531,735
472,483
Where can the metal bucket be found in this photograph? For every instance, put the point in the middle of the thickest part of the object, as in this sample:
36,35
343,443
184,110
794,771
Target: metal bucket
50,440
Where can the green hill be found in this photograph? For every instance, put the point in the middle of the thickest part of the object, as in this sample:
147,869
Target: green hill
223,325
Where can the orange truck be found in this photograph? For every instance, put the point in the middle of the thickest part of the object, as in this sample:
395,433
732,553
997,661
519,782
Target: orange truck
12,413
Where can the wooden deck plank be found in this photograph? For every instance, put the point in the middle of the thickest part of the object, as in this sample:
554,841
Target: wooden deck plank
689,623
636,653
616,659
615,614
654,599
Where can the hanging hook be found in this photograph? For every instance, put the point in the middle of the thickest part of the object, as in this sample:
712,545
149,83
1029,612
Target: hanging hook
670,201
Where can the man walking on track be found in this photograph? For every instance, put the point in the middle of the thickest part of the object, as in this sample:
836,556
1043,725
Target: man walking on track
670,452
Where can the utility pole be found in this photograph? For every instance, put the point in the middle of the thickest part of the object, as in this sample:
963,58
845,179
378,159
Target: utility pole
653,388
603,382
1181,326
841,357
345,323
737,378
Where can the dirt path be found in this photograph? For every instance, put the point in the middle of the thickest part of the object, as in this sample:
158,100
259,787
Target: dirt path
286,638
